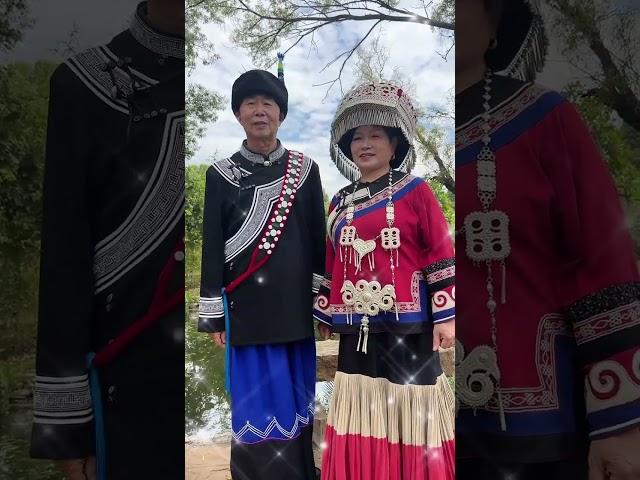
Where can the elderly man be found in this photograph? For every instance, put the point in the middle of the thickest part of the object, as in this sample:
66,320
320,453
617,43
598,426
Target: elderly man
111,276
262,259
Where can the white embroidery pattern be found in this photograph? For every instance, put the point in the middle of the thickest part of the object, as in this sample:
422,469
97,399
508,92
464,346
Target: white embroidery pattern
264,197
299,422
443,274
442,301
89,65
607,323
62,400
413,306
224,168
317,282
210,307
154,41
154,216
334,219
543,396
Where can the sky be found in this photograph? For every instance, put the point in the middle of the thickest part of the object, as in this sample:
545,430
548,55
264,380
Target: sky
95,21
412,49
307,126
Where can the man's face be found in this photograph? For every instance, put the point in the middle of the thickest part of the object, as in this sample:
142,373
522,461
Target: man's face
260,117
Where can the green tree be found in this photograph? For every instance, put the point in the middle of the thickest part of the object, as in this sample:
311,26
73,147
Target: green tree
600,38
620,146
24,91
202,107
263,27
14,19
433,149
195,177
202,104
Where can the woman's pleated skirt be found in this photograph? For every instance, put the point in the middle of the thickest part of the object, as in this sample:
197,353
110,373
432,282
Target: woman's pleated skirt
392,412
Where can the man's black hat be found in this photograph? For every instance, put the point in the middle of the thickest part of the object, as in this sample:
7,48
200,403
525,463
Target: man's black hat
259,82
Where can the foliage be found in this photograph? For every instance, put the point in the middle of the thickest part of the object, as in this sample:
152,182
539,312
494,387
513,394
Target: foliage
14,19
24,91
434,150
446,199
202,107
614,140
265,26
204,376
600,39
195,179
202,104
620,146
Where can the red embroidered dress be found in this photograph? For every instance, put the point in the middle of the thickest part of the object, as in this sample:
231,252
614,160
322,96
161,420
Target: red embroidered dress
391,414
569,333
424,276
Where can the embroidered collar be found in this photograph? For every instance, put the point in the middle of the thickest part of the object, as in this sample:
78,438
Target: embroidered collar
258,157
160,43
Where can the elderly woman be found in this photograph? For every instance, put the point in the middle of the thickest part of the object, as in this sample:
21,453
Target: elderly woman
389,291
550,331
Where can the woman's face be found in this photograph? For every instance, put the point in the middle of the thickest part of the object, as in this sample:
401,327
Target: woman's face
371,148
474,32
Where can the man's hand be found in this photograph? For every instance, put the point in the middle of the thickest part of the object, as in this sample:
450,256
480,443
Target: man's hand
80,469
324,330
219,338
616,457
444,335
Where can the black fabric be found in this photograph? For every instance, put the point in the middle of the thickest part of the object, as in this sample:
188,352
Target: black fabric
475,469
144,407
102,150
274,305
469,101
517,18
274,459
259,81
399,358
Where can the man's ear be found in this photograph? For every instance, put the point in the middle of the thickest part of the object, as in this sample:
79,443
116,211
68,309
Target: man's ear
237,114
281,117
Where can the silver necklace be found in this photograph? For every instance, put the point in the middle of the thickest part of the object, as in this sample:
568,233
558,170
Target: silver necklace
487,241
368,298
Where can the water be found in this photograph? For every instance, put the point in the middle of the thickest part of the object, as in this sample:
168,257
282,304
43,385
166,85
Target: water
15,432
207,407
207,412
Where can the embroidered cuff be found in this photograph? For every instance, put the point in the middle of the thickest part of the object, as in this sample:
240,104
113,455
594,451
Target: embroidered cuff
443,304
612,389
210,307
317,281
62,400
63,426
606,312
321,305
440,275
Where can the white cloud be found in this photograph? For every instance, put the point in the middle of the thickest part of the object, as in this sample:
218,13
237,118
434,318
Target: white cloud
412,50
